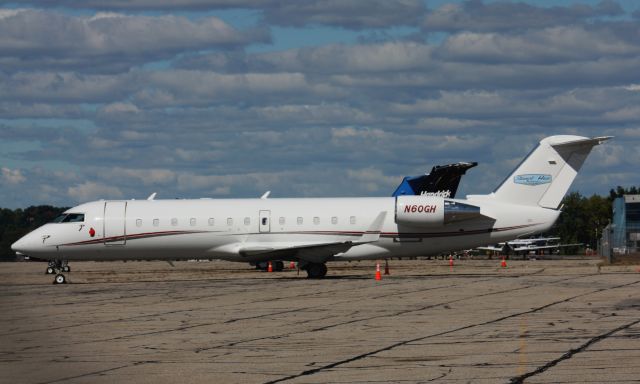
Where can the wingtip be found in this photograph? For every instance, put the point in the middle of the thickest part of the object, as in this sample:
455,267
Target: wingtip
603,139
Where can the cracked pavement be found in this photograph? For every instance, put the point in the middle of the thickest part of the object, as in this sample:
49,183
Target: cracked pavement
533,322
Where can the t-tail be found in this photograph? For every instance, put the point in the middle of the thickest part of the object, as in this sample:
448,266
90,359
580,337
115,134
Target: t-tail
544,177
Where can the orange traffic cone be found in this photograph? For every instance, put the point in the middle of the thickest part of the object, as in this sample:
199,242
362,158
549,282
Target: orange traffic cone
292,265
270,268
451,261
503,263
386,267
378,275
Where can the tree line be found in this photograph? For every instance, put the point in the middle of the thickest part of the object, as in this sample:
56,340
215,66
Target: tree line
18,222
582,219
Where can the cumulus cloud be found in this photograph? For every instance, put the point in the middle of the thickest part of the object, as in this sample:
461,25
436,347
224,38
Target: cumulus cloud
217,117
89,191
149,4
351,132
545,46
351,14
94,42
478,16
328,59
12,176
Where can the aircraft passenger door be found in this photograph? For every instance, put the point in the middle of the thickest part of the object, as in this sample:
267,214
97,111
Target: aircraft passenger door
114,223
265,221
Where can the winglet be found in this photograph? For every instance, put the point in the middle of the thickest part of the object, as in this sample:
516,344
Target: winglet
373,232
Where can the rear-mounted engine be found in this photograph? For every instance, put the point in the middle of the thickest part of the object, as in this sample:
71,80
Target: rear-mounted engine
432,211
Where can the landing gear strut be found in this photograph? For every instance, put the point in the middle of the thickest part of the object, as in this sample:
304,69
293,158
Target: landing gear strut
57,267
316,270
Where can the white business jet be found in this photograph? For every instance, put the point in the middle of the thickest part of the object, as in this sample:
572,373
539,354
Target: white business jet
313,231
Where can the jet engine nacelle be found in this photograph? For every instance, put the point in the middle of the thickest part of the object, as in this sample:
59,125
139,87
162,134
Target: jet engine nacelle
421,211
433,211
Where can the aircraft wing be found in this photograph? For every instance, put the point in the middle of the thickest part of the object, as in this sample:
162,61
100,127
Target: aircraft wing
538,247
315,252
497,249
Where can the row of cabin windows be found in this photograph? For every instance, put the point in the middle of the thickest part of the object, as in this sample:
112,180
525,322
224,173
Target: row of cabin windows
247,221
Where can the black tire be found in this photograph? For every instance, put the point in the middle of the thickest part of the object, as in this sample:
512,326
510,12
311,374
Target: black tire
60,279
50,271
316,270
66,268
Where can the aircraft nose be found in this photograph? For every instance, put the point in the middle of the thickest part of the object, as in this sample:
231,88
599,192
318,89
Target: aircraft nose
26,244
18,246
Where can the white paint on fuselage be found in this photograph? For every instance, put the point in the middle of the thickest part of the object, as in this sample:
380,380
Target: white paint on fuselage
192,236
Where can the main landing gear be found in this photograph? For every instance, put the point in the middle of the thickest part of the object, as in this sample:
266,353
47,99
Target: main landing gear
57,267
315,270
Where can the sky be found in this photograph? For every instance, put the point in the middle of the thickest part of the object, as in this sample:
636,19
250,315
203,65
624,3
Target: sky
231,98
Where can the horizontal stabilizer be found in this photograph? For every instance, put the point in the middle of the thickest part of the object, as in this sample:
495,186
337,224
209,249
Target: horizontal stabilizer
545,176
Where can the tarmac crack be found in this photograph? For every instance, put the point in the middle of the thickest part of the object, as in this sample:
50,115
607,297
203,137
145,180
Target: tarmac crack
103,371
406,342
569,354
275,337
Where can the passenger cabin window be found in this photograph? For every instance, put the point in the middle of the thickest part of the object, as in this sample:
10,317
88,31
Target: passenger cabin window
192,222
247,221
264,221
316,220
352,220
211,221
334,220
299,220
174,221
138,222
281,220
70,218
229,221
156,222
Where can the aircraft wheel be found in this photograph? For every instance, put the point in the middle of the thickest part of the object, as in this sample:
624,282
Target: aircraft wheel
66,268
278,266
50,271
316,270
60,279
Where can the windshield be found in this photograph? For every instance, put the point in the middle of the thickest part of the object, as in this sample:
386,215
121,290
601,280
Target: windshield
69,218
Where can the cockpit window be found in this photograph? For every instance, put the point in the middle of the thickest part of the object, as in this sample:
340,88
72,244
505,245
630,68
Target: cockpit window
69,218
59,218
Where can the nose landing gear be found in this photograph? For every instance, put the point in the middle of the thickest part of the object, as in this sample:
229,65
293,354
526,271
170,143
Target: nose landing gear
57,267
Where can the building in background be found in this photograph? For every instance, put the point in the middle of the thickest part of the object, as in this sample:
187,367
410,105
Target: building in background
625,228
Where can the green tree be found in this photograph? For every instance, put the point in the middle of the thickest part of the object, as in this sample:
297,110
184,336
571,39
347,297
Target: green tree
582,219
17,223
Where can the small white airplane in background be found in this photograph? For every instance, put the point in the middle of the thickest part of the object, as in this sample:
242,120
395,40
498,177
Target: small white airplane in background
313,231
522,246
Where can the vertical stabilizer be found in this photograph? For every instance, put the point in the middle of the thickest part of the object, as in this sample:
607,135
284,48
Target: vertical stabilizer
544,177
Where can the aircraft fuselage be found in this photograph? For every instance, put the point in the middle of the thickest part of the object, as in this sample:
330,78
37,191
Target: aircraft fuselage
207,228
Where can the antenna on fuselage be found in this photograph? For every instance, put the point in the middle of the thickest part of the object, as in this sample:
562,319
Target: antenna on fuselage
152,196
265,195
